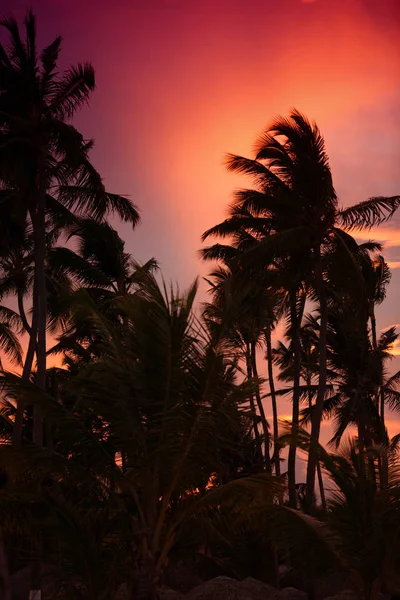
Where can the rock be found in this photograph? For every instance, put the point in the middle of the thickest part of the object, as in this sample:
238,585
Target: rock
220,588
291,593
225,588
259,590
344,595
168,594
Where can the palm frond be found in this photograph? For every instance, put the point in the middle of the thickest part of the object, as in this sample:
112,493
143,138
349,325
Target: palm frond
369,213
72,90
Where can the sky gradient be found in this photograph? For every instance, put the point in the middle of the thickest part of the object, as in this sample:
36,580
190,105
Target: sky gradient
182,82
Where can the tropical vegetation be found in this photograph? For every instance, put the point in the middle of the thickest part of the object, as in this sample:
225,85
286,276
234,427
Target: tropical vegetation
158,440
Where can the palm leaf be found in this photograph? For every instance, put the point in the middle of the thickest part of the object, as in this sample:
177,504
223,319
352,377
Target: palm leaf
369,213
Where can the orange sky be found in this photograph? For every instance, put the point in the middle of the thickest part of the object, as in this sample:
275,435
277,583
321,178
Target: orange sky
182,82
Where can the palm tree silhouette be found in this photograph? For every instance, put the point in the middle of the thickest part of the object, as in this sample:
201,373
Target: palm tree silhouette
42,155
295,214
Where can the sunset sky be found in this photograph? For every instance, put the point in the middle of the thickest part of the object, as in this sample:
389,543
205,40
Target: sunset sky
182,82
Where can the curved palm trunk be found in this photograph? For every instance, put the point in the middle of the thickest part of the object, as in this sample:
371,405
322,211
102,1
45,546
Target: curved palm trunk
276,457
253,406
22,312
319,404
295,320
264,423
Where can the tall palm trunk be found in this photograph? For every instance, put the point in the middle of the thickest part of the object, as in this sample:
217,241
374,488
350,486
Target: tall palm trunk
321,488
253,406
319,470
260,406
380,401
39,227
322,380
26,372
295,320
276,457
373,326
381,397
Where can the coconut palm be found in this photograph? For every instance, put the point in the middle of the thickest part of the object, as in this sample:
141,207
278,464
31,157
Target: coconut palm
165,407
140,433
40,152
17,283
10,328
102,268
300,220
283,358
248,307
356,376
377,275
366,519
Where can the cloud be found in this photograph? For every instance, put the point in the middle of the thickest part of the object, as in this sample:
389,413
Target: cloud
388,236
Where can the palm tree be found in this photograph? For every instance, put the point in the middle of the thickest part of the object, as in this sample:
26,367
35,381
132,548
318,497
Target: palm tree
365,518
140,433
355,375
101,268
248,308
10,328
167,406
299,219
377,275
40,152
283,358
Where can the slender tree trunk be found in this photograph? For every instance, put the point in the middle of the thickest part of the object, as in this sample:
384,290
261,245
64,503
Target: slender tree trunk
319,470
253,406
276,455
145,587
26,373
381,396
361,447
319,403
39,226
383,463
22,312
321,488
261,410
373,328
295,320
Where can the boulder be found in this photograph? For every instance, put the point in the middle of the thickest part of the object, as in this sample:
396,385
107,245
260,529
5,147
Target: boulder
181,578
220,588
344,595
259,590
291,593
225,588
168,594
